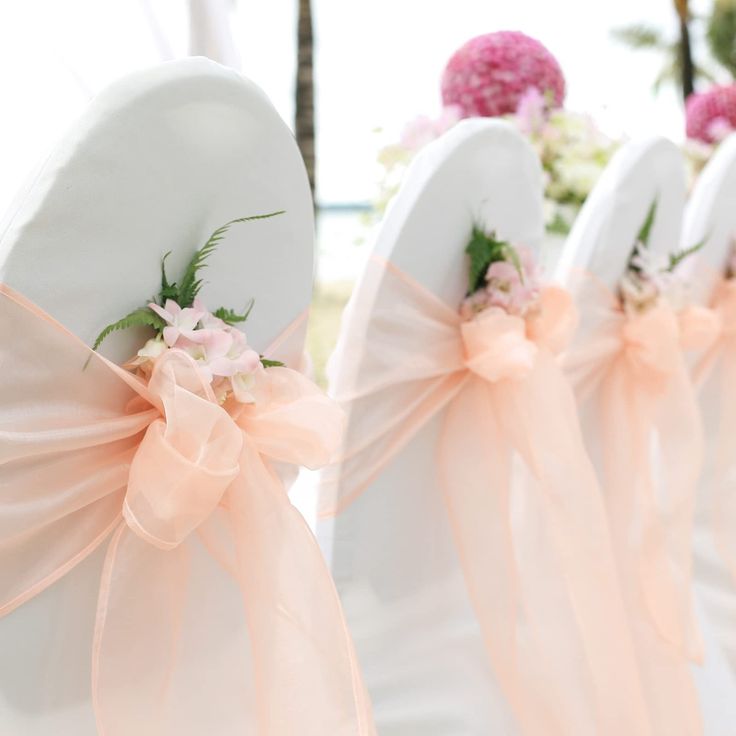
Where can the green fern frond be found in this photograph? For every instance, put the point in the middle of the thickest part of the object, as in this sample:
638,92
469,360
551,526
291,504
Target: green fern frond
190,284
142,317
679,256
231,317
168,291
266,363
646,228
483,250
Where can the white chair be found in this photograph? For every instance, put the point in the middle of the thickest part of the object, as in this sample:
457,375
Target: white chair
156,163
710,218
601,244
392,551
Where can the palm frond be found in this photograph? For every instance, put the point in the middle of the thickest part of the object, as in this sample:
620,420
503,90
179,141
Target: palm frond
640,36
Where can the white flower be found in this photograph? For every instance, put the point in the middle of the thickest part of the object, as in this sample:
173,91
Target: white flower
152,349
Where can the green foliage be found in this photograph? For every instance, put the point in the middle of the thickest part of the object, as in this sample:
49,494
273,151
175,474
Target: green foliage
721,34
142,317
231,317
186,290
640,36
483,250
646,228
190,284
679,256
266,363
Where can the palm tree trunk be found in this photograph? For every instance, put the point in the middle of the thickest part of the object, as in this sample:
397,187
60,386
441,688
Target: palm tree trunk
304,108
687,69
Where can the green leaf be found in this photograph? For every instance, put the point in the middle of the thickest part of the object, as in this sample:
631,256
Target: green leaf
679,256
142,317
266,363
646,228
483,250
232,317
190,285
640,37
168,291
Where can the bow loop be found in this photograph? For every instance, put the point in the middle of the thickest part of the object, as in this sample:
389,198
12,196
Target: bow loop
496,346
651,342
499,345
187,458
292,421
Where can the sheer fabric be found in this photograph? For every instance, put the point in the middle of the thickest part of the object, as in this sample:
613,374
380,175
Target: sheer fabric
714,376
644,431
157,474
522,497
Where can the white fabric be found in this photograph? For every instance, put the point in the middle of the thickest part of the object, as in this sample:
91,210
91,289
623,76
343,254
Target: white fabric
157,162
392,551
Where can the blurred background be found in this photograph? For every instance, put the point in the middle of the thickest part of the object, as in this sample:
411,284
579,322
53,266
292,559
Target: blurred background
364,85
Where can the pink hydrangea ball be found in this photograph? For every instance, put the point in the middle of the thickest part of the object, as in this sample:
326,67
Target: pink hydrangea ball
712,114
489,74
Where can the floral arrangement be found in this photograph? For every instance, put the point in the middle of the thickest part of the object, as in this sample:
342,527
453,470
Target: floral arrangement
501,276
182,322
650,280
488,75
711,115
573,152
510,74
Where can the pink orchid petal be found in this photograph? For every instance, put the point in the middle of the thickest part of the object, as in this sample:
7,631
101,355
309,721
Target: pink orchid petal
161,312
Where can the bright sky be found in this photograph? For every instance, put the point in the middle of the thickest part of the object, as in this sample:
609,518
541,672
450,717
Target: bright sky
378,65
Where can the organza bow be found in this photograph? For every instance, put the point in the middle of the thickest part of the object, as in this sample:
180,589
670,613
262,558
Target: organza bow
633,368
204,551
644,429
543,584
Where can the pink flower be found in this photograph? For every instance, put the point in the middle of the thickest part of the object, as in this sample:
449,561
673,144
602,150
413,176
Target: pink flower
531,112
711,114
232,355
513,290
181,322
424,129
489,75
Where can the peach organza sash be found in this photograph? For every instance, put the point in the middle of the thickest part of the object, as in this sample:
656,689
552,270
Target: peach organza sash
543,582
632,370
638,405
157,473
715,375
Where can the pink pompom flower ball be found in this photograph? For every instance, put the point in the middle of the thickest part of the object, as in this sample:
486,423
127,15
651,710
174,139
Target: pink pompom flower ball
488,75
711,115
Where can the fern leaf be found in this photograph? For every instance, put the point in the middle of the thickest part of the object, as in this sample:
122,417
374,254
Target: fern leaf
678,257
483,250
168,291
140,317
190,284
646,228
231,317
